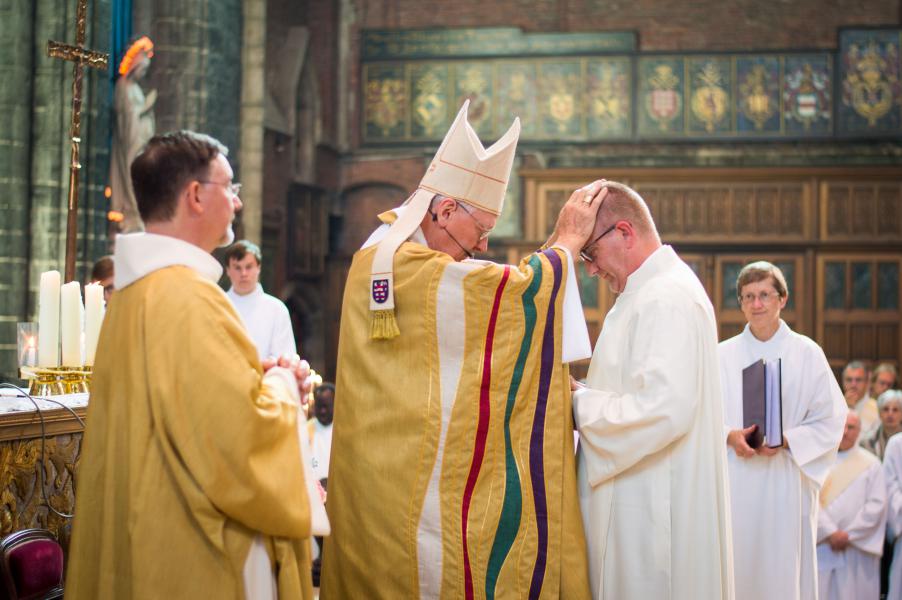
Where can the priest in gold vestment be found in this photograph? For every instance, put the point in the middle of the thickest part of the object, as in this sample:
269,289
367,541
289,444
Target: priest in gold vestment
452,469
191,482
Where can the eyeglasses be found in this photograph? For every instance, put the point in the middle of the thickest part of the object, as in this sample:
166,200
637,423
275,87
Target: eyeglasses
764,297
232,188
484,232
584,252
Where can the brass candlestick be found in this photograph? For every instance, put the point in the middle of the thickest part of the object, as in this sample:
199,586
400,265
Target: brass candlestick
56,381
74,380
43,382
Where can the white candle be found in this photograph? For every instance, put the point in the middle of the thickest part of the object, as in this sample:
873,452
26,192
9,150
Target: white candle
49,320
93,319
71,319
30,353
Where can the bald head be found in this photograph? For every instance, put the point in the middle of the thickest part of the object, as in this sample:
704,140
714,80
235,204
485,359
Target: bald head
623,203
850,434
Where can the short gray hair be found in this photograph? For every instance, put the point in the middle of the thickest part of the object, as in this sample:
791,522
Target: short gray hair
856,364
889,396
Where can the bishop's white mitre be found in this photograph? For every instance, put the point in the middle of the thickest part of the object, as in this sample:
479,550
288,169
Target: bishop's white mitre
462,169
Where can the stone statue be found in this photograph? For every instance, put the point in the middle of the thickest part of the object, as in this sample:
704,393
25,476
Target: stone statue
134,126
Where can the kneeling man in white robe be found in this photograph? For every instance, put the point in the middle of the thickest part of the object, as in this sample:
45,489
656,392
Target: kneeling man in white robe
851,523
774,490
652,463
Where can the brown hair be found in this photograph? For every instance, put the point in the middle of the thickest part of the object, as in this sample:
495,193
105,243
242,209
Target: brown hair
166,165
240,249
102,269
759,271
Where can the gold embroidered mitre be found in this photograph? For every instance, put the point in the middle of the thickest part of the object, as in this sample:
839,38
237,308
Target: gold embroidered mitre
462,169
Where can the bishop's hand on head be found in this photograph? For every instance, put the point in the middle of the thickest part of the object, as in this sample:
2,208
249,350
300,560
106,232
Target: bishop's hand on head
576,220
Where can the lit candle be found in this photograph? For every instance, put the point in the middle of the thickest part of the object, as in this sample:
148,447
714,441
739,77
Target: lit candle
30,352
49,320
93,319
71,319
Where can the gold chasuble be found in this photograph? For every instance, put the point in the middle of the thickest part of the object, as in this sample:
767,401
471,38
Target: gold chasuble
452,472
189,454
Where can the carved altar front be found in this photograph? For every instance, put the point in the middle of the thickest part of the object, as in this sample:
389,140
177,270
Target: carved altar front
22,503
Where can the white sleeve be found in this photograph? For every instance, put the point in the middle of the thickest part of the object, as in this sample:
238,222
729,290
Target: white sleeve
618,430
282,341
576,343
814,441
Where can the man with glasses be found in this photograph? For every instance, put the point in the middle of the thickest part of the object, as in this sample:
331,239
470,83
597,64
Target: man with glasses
774,488
452,472
193,481
855,379
652,466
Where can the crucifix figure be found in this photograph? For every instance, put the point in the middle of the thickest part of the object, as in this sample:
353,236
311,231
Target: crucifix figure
81,56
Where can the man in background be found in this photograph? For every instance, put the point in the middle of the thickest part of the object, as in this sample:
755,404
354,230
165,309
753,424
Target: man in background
265,316
884,378
855,382
102,273
851,522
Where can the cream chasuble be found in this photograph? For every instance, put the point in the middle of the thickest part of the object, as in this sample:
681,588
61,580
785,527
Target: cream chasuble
192,475
859,509
452,472
652,466
775,499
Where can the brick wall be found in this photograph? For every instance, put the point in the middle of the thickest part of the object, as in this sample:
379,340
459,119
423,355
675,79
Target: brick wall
689,24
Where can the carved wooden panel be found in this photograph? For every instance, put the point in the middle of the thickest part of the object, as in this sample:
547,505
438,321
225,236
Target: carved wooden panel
22,502
865,211
858,306
704,211
730,210
839,230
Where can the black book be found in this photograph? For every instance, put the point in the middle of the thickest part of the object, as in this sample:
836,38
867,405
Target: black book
762,403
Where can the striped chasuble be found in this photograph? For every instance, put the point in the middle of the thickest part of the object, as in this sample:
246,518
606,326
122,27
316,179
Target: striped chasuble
452,471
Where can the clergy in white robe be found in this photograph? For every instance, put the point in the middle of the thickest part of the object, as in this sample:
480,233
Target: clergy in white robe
652,465
774,491
851,522
265,317
855,382
892,471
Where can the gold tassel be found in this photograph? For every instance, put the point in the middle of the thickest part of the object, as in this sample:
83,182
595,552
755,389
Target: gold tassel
383,325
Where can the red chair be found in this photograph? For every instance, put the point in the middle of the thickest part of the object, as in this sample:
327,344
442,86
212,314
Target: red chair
31,566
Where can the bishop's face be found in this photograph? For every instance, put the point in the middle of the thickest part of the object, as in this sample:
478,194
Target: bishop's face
761,304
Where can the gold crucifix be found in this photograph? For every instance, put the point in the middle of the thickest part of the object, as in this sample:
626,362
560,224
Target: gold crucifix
81,56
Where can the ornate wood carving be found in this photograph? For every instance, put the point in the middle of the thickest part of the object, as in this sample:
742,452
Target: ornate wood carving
22,503
865,211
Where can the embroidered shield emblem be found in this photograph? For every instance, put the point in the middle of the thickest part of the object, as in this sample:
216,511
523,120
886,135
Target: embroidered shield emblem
380,290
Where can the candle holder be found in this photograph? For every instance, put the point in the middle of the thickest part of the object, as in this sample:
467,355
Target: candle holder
43,382
74,380
57,381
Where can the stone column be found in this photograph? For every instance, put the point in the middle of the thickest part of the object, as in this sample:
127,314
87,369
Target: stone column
253,82
197,67
16,48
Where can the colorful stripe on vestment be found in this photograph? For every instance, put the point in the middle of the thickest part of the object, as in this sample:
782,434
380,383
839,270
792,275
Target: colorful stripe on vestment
511,507
482,429
537,441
